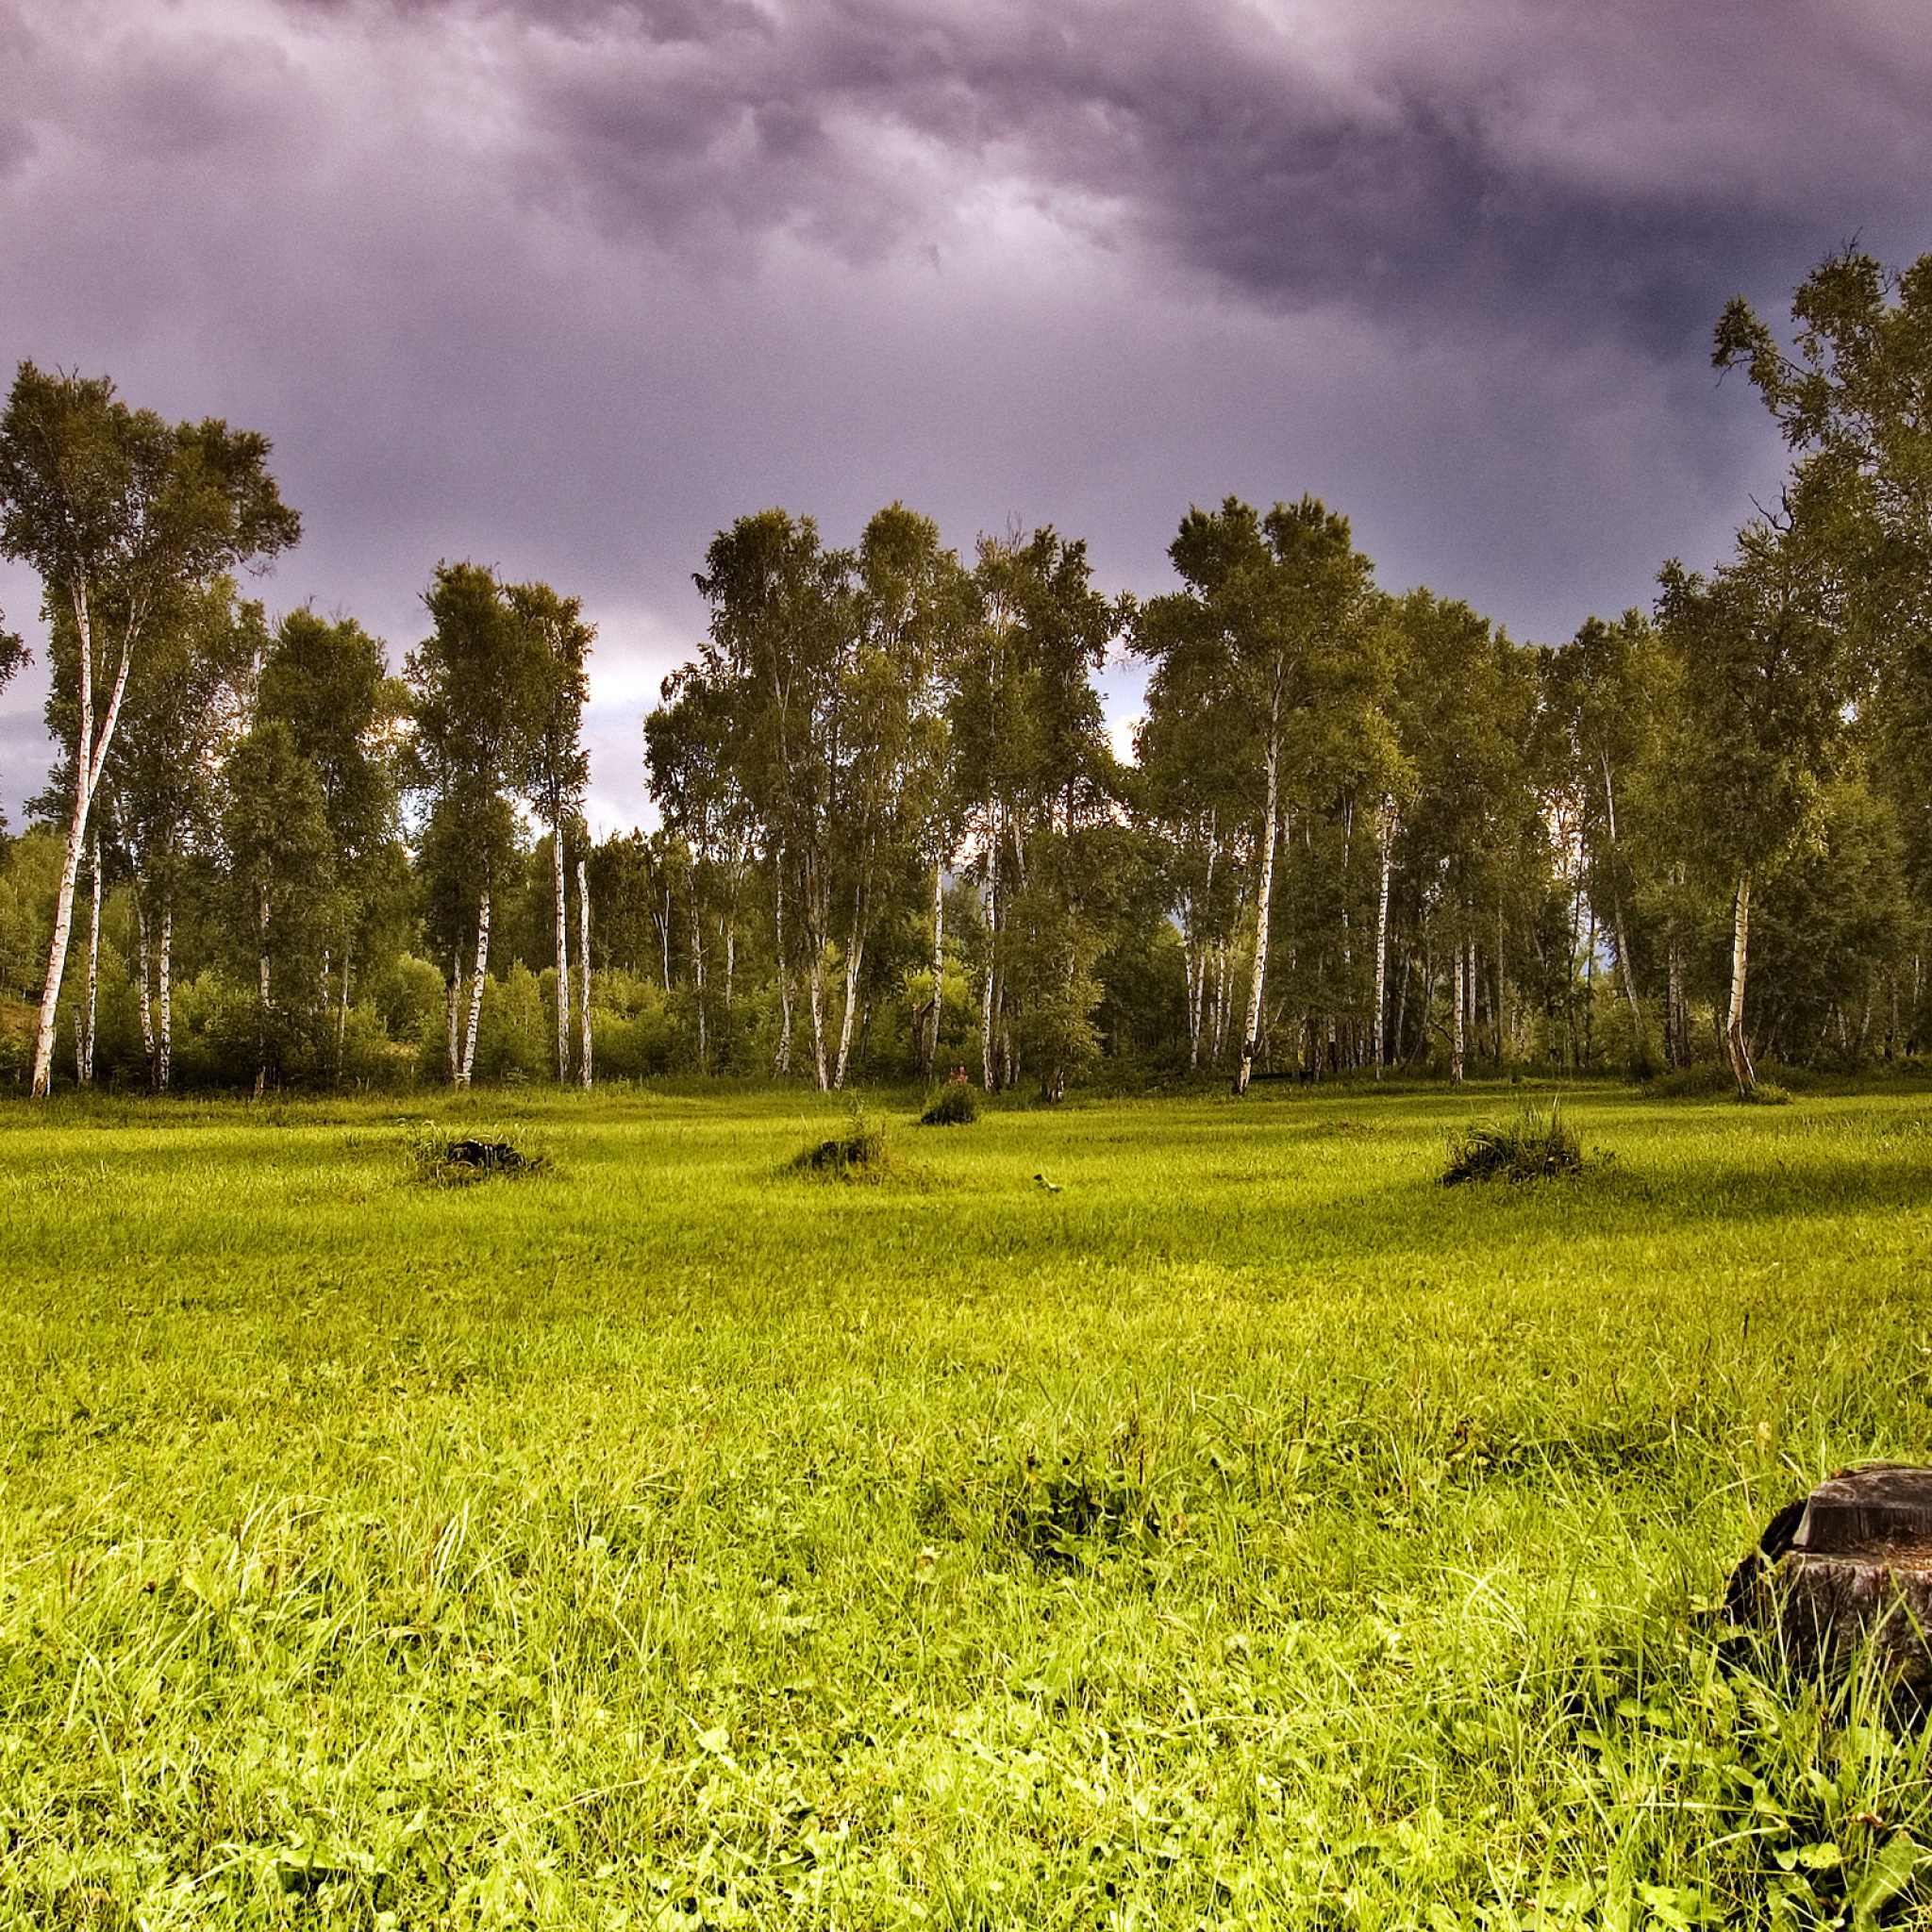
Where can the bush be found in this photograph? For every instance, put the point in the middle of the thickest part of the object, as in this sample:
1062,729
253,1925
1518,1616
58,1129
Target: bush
1533,1146
954,1104
859,1153
442,1159
1766,1093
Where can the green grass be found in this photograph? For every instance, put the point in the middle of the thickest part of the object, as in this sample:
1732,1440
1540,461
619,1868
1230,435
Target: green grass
1253,1532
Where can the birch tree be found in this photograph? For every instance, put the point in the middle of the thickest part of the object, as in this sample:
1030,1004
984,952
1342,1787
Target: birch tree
1279,608
280,867
110,505
184,710
559,767
1472,842
481,686
327,682
1764,681
1853,396
1603,698
1031,762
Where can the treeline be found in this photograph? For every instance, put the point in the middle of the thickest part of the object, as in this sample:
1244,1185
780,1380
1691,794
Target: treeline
1356,829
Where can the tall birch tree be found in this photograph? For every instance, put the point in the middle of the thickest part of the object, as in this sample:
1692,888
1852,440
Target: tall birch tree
481,685
559,767
1763,675
110,505
1281,607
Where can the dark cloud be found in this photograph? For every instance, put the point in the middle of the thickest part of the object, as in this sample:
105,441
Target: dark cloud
565,286
1602,167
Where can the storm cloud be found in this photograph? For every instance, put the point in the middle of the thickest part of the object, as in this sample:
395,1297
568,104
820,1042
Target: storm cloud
565,287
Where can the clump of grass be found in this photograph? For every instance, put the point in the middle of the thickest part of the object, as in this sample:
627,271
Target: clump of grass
1766,1093
1533,1146
861,1152
437,1158
953,1105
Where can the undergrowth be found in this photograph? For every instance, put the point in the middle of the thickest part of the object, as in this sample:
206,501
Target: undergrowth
953,1105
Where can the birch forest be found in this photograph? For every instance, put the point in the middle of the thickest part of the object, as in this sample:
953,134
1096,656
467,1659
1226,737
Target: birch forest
1354,829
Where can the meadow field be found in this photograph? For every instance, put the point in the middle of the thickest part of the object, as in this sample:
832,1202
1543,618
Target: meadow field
1251,1532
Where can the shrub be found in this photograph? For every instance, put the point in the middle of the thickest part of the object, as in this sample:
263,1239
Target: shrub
1533,1146
954,1104
859,1153
440,1159
1766,1093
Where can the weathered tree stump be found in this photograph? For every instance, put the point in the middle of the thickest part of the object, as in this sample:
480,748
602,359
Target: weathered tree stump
1845,1577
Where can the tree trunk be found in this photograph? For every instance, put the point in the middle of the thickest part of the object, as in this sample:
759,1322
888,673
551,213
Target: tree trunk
476,993
452,1059
1734,1024
89,759
584,971
260,990
1386,826
781,1061
697,979
939,965
815,990
84,1018
855,958
144,950
1456,1031
164,1059
1264,902
988,1071
562,953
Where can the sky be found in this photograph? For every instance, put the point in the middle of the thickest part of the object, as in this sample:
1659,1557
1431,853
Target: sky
565,286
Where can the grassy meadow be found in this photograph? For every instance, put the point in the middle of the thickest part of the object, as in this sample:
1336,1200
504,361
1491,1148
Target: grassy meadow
1250,1532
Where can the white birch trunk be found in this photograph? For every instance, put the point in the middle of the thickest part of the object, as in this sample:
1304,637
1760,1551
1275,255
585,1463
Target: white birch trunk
260,990
164,1064
562,954
584,971
697,979
989,1070
939,964
781,1061
452,1059
815,987
855,959
1264,902
477,993
84,1020
90,759
1456,1032
1385,828
1734,1024
145,1000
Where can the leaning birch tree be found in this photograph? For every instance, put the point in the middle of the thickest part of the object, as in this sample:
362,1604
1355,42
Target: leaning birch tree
110,506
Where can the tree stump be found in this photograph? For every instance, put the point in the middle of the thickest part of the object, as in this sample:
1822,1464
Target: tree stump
1845,1577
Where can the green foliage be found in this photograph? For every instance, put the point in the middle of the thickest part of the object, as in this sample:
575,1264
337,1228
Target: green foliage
954,1104
1534,1145
1765,1094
